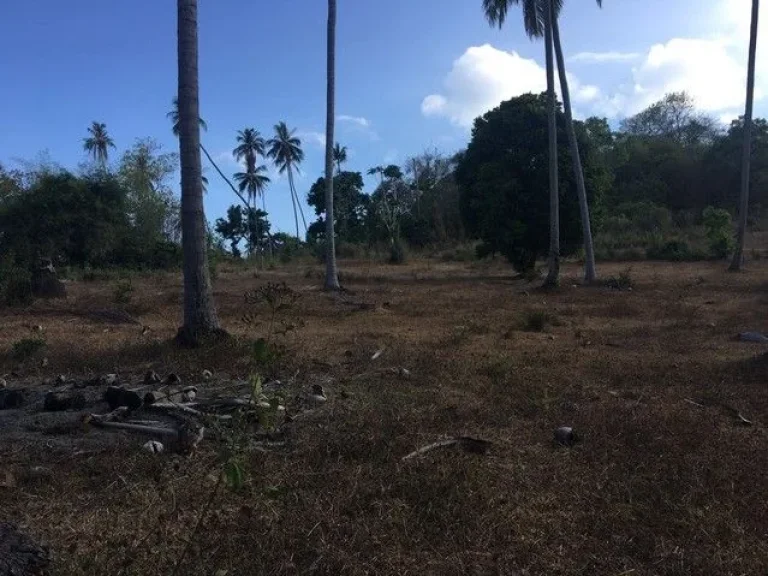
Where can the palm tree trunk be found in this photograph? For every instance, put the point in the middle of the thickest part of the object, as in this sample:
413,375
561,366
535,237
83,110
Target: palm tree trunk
200,317
553,276
590,274
293,200
269,234
227,180
738,256
331,271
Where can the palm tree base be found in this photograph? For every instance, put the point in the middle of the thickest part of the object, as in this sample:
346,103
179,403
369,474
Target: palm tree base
188,337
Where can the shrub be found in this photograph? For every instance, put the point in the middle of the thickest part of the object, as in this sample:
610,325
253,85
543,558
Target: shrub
621,282
15,286
123,291
718,225
673,250
27,348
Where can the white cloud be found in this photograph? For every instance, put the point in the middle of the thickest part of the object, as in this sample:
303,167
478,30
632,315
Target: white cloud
358,124
312,137
485,76
604,57
356,120
227,159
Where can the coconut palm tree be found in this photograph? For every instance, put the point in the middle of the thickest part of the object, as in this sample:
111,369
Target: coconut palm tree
331,153
339,156
377,171
254,182
540,19
738,255
98,143
173,115
590,271
250,145
286,153
200,319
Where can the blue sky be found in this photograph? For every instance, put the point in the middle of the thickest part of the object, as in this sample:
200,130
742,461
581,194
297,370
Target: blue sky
411,74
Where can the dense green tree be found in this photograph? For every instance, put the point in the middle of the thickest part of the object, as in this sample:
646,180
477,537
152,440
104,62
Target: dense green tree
350,207
502,176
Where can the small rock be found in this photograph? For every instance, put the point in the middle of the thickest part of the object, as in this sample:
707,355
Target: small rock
404,372
37,328
565,436
173,378
44,362
264,404
10,399
152,377
117,396
154,447
3,383
59,402
189,395
756,337
318,394
60,379
207,375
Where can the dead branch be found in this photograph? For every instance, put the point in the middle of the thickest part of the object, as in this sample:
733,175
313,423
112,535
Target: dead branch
468,444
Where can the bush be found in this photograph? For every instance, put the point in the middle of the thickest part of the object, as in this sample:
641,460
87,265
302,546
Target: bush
27,348
718,225
621,282
15,286
674,251
123,292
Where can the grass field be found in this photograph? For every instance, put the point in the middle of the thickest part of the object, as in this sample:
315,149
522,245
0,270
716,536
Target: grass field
666,480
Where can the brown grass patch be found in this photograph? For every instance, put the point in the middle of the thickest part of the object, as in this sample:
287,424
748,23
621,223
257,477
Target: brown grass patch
658,486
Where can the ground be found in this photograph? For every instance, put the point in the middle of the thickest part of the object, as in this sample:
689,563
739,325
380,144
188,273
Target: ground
667,478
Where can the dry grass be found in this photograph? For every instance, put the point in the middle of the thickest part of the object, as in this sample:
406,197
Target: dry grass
658,486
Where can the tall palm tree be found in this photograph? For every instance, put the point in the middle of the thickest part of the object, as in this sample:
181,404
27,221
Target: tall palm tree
98,142
254,182
285,151
538,22
339,156
590,271
331,271
250,145
377,170
200,319
738,255
540,19
173,115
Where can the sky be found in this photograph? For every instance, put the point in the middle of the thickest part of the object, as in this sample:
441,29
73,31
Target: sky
411,74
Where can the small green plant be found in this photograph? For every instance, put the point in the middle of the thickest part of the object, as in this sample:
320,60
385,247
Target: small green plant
718,225
27,348
621,282
123,292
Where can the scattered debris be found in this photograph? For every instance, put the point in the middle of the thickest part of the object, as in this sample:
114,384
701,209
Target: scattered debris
756,337
117,396
19,554
59,402
151,377
154,447
109,380
378,353
467,443
10,399
173,379
60,380
740,418
187,394
565,436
